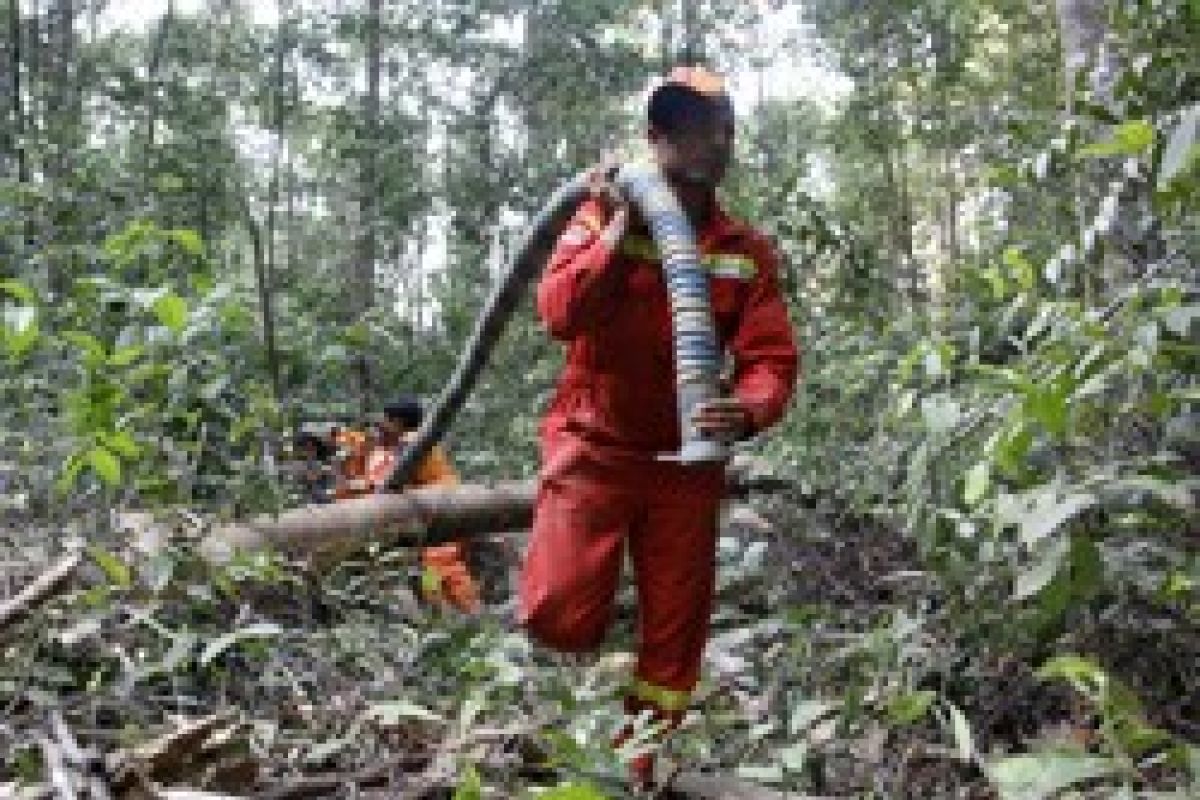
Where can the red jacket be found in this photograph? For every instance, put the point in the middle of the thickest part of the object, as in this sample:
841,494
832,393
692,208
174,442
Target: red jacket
617,390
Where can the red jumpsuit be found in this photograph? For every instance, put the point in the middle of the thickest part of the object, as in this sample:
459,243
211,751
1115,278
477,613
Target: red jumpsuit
613,412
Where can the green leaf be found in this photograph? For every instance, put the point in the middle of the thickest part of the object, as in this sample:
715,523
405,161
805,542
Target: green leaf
20,330
908,708
1041,775
223,643
71,468
1048,560
20,291
1022,270
171,311
86,344
189,240
979,478
573,791
126,356
1129,139
1181,147
1085,675
469,787
123,444
116,570
106,465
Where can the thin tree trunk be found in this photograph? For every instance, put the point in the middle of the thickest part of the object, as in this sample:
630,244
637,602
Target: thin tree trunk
366,254
267,290
254,229
1082,27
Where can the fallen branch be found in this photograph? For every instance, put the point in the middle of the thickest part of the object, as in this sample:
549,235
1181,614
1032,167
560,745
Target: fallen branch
431,515
45,586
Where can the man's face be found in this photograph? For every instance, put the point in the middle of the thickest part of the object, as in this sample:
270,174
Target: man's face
699,151
391,427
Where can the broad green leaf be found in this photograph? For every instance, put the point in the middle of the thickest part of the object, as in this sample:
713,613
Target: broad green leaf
908,708
1085,675
123,444
20,291
1041,775
106,465
116,570
224,642
1041,511
979,478
189,240
20,330
1181,147
1047,562
1129,139
171,311
1021,269
391,713
125,356
469,787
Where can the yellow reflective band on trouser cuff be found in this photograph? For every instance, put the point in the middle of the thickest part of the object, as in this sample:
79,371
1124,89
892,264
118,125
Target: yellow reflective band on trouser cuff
666,699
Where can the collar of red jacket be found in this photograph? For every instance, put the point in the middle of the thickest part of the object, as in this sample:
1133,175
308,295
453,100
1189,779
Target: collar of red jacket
720,228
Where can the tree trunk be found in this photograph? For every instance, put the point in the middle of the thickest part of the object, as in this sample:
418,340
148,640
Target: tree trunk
417,517
1082,28
368,188
268,272
262,279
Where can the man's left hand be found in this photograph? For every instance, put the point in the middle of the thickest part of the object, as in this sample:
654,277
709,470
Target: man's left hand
724,418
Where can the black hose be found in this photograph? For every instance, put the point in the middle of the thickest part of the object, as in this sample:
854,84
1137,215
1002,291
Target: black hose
696,350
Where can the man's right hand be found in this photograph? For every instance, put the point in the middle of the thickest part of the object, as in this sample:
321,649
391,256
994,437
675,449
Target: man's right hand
616,205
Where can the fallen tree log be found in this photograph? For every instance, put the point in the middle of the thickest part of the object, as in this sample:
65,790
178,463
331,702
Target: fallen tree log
417,517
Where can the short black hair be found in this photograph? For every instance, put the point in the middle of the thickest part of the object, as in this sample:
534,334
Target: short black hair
323,449
673,107
406,410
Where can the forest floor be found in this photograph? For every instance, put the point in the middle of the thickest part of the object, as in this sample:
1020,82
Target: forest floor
837,668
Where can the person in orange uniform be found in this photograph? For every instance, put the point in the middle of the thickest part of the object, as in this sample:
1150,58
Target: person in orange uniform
451,584
602,485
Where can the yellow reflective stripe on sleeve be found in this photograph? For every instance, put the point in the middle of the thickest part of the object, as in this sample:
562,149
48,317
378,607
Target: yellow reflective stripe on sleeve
666,699
730,266
724,265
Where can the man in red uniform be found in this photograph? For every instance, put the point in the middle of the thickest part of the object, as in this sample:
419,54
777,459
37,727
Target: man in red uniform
602,483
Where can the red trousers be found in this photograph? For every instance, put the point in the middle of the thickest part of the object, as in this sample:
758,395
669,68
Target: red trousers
584,516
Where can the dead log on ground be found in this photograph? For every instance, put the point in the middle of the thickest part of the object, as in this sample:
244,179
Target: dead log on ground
418,517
